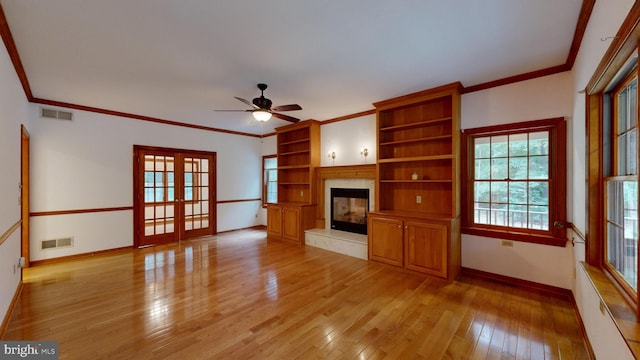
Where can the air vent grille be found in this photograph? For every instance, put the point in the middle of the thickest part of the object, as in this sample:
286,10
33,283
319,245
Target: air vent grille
56,243
56,114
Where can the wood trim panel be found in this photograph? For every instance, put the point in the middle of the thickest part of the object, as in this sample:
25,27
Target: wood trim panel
255,227
10,44
9,231
516,78
25,194
79,211
532,285
138,117
423,95
581,27
348,117
594,196
237,201
82,256
367,171
12,305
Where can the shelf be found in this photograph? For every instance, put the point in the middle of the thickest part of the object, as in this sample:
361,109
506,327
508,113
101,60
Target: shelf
415,158
294,183
425,139
415,124
293,142
415,181
294,152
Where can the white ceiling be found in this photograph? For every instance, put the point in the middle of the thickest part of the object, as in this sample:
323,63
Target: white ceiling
179,60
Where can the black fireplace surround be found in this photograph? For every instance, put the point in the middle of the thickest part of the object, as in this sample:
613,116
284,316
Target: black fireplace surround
349,208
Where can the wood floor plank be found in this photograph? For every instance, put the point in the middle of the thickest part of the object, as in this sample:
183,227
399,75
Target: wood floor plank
239,296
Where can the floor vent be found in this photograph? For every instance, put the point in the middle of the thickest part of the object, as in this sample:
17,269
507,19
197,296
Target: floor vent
56,114
56,243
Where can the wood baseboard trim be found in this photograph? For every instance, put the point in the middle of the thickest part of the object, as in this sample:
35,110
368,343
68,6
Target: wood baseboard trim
517,282
80,256
12,305
255,227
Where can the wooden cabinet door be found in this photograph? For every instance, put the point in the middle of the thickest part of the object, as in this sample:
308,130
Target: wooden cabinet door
274,221
291,223
426,247
385,240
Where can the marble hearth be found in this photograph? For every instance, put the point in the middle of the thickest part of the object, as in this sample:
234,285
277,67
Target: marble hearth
343,242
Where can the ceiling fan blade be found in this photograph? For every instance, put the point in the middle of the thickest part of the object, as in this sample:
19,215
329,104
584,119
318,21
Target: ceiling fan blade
290,107
246,102
285,117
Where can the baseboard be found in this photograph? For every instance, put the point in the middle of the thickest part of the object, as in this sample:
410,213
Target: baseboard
536,287
255,227
7,315
80,256
517,282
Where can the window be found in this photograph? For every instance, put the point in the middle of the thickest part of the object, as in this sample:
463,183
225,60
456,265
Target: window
269,179
621,183
515,181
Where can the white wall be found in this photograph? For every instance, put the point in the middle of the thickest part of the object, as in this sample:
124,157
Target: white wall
87,163
347,138
541,98
13,113
605,21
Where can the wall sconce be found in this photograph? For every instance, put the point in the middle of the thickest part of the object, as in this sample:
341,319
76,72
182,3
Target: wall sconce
364,152
332,156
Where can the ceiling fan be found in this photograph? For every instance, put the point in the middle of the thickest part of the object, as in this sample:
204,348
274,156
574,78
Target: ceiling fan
262,110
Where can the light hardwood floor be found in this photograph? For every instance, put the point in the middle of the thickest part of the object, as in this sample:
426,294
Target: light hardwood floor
239,296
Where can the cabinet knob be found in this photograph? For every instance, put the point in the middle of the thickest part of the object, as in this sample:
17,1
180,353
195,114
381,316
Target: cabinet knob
406,227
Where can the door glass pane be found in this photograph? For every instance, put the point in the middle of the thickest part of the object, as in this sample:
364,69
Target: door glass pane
158,189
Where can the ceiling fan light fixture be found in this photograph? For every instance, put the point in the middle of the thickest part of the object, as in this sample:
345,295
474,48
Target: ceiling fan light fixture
261,115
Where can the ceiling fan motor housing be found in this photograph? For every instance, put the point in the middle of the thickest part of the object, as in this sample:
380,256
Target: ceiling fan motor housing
262,102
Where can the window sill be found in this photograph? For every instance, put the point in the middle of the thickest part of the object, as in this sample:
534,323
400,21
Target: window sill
516,236
618,308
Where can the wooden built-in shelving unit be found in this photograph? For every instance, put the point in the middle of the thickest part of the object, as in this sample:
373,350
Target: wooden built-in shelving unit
416,223
298,150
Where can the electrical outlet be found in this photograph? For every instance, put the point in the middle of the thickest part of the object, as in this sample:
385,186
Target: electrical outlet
507,243
418,199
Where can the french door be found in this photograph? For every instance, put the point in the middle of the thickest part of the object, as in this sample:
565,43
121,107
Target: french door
174,195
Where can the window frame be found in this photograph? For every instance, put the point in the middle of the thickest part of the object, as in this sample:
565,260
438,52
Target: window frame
265,181
610,167
557,182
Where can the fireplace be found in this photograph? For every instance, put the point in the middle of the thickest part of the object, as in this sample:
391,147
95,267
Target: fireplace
349,208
